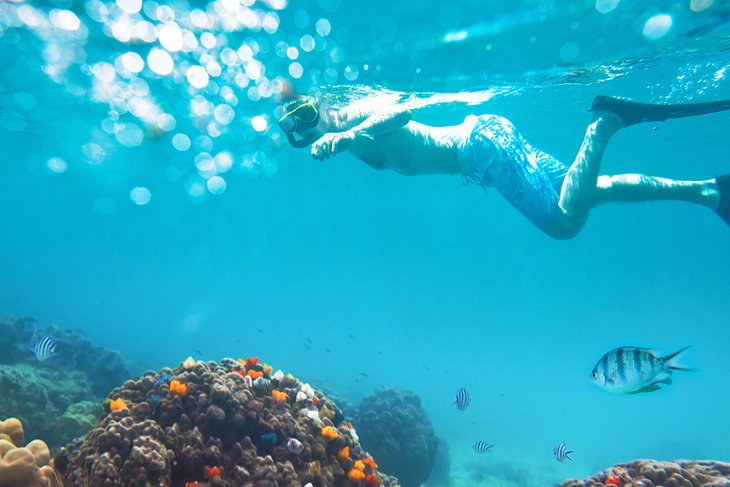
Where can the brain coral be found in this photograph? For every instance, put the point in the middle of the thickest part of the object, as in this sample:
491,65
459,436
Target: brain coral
395,427
27,466
650,473
226,422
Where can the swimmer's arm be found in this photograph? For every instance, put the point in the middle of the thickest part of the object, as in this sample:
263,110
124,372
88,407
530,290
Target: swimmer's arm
370,123
359,125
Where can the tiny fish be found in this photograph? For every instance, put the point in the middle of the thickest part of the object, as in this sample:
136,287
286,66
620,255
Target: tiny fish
482,447
44,348
561,452
462,399
631,370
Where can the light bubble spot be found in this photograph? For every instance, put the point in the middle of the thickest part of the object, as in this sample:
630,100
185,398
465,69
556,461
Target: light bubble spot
569,52
65,19
323,27
351,72
700,5
306,43
57,165
132,62
292,53
129,135
160,62
140,195
657,26
196,189
104,205
208,40
605,6
181,142
166,122
330,75
271,23
197,76
130,6
223,162
223,114
259,123
296,70
216,185
170,37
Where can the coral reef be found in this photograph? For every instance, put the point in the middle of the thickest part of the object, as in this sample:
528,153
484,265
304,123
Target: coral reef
53,404
395,428
650,473
222,428
104,369
24,466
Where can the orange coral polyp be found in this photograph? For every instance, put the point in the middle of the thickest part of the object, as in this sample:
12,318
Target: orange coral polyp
329,432
255,374
360,465
117,404
192,484
372,479
179,388
356,474
251,361
279,395
268,369
211,472
370,463
344,453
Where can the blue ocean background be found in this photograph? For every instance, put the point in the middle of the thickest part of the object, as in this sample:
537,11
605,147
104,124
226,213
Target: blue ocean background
354,278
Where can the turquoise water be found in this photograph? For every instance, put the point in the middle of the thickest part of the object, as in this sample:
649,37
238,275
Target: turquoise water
161,213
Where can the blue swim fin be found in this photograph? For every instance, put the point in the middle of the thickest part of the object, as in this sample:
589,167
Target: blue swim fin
632,112
723,209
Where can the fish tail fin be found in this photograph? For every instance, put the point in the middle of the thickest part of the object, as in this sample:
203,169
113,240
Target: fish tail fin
672,365
567,455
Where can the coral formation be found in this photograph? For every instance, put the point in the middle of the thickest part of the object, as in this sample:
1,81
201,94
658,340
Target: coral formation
24,466
395,429
227,430
649,473
54,405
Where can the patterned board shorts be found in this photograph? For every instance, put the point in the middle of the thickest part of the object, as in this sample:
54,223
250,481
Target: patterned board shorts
495,154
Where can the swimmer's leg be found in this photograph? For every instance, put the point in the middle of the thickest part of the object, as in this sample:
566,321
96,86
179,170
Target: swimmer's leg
577,194
632,112
639,187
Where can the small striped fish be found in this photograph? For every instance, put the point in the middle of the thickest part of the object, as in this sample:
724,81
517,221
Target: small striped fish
561,452
44,348
631,370
462,399
482,447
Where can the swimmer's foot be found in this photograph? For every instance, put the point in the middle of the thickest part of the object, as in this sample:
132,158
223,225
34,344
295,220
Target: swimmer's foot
723,209
632,112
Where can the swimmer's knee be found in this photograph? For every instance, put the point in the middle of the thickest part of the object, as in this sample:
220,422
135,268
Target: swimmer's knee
564,226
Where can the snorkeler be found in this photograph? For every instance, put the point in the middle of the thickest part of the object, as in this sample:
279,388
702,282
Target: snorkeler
489,151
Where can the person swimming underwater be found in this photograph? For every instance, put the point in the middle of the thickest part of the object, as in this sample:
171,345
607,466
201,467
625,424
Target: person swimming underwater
489,151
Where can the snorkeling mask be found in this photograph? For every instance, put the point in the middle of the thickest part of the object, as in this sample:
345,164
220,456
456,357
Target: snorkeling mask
299,117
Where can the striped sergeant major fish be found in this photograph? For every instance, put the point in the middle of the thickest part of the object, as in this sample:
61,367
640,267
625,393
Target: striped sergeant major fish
631,370
482,447
561,452
44,348
462,399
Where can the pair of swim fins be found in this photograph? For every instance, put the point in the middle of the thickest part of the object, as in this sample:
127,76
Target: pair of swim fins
632,112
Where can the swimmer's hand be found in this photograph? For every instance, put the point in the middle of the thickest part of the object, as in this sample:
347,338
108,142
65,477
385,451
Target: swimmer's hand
331,144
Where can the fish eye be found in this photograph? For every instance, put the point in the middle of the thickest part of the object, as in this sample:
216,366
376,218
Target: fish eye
595,374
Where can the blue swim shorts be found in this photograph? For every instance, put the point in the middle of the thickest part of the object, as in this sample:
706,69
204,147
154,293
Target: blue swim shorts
495,154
